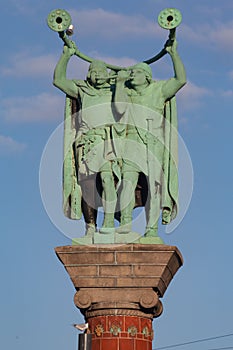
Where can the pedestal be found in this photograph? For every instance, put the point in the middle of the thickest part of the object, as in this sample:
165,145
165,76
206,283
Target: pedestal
118,290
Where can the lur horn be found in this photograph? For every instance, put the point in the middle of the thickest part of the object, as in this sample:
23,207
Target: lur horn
169,18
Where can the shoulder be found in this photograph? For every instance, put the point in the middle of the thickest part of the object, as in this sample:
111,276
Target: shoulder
157,84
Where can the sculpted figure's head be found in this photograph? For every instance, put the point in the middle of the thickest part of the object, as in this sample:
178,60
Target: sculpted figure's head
97,73
140,74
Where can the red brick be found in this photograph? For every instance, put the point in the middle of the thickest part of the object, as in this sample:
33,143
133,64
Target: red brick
118,321
124,335
143,345
107,344
95,321
95,344
126,344
107,335
140,336
132,321
145,322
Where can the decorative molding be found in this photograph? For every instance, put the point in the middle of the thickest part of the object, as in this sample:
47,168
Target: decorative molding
132,331
99,330
120,312
115,329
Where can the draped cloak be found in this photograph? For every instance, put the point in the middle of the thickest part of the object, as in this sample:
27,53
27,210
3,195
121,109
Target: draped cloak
72,193
87,142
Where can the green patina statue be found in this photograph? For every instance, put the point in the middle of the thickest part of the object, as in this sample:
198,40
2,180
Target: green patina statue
89,150
120,144
148,111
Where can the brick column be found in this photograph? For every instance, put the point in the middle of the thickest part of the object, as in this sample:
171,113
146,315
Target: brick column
119,289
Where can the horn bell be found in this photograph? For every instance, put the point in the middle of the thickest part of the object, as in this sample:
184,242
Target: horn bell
169,18
59,20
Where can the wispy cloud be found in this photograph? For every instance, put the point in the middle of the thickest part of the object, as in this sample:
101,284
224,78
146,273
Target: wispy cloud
216,36
222,35
9,146
24,65
43,107
98,20
191,97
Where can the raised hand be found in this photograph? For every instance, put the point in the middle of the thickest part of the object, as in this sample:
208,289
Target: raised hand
171,47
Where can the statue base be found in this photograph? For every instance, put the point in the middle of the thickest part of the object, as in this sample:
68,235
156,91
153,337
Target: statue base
116,238
119,287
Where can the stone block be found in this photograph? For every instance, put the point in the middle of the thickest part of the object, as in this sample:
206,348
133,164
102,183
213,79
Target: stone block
119,279
115,270
82,270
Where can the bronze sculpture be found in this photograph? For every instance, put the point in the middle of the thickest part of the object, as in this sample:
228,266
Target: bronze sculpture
108,116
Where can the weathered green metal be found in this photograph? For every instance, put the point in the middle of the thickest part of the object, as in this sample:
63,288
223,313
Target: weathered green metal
169,18
59,20
121,150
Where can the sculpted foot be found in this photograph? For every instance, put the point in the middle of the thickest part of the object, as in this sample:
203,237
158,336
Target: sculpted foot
151,236
124,228
151,232
107,230
90,229
108,225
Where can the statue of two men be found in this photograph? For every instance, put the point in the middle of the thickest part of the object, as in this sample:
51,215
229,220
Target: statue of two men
118,131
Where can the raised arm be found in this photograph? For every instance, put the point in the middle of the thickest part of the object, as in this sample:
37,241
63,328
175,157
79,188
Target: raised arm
171,87
59,78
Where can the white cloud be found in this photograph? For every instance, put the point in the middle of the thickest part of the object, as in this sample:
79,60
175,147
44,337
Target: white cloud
24,65
222,35
10,146
43,107
191,96
191,34
112,25
216,36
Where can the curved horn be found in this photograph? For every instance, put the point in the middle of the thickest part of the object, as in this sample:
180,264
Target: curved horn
168,18
60,21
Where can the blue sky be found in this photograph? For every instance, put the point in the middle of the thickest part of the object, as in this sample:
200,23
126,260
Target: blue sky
36,295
